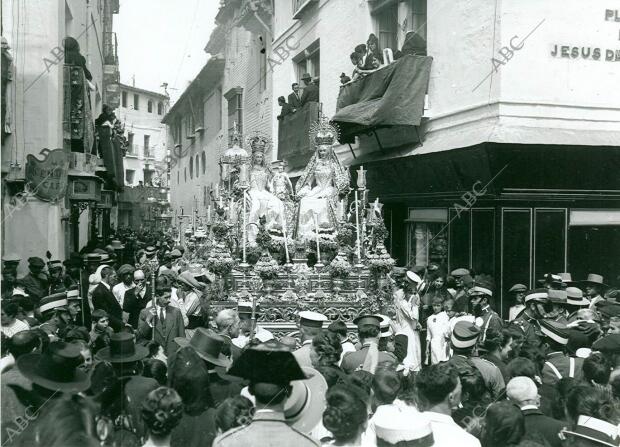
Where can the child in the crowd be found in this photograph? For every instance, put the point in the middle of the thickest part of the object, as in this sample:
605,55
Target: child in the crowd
438,333
101,330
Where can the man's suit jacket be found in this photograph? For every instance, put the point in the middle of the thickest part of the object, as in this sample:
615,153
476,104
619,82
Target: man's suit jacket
133,305
165,331
294,101
353,360
536,423
104,299
311,94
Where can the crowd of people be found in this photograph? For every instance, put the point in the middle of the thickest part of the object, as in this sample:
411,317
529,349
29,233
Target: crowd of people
119,346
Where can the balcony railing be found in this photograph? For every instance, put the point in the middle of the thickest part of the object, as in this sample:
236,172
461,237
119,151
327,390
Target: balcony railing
110,48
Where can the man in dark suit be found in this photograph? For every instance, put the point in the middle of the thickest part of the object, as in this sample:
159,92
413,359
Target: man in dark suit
294,99
104,299
311,90
137,298
522,391
163,322
286,108
368,328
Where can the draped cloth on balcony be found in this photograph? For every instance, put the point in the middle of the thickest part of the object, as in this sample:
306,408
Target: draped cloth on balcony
391,96
294,144
78,127
110,151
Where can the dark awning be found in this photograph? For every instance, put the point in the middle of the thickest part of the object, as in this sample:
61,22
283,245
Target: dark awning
391,96
294,144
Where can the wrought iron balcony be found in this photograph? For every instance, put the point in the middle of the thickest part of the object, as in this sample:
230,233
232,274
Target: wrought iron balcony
110,48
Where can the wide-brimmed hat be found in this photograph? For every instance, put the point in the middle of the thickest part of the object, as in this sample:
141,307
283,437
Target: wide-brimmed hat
574,297
305,76
567,278
188,279
116,245
54,301
56,368
207,345
557,296
594,280
122,349
268,362
596,430
303,409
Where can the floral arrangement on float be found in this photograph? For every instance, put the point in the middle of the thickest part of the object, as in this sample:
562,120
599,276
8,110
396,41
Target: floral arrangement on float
340,268
266,267
220,260
380,263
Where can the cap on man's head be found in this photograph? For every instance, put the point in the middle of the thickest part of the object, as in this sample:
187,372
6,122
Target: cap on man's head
464,335
11,257
413,277
479,291
539,295
459,272
517,288
36,262
372,320
309,318
384,326
521,389
395,427
53,302
125,269
73,295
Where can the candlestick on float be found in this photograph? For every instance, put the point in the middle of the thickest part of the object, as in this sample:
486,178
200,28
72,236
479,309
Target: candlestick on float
316,229
357,230
288,259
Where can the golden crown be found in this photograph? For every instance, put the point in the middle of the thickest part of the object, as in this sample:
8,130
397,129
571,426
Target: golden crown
323,131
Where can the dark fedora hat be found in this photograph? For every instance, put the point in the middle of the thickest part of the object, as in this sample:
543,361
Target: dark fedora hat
122,349
268,362
207,345
56,368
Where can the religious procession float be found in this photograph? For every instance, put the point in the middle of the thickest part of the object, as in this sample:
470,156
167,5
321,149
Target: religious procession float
316,246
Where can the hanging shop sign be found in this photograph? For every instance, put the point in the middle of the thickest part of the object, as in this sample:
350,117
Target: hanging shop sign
47,178
84,188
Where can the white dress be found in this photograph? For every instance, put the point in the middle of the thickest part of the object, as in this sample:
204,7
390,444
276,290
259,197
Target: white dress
262,203
438,333
316,201
406,322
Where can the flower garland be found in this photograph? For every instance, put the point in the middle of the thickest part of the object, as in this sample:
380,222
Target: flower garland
220,260
267,267
340,268
380,263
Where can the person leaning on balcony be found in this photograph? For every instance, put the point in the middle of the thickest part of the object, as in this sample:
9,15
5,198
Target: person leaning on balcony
294,99
311,90
286,108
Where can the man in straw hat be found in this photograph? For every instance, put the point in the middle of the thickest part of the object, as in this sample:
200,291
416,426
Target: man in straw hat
594,287
270,368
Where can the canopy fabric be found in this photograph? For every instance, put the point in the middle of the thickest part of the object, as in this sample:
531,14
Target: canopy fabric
391,96
112,158
294,144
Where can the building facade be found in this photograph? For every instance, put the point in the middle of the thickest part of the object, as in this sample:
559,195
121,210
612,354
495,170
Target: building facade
511,167
51,95
141,112
232,91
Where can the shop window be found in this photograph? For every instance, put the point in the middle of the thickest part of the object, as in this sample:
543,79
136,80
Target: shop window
460,239
516,251
130,176
427,236
483,241
549,241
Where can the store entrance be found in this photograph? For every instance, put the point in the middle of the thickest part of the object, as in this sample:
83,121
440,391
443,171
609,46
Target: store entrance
594,250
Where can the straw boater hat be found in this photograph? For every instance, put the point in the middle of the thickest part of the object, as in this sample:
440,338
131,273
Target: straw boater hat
567,278
557,296
73,295
384,326
208,345
598,431
56,301
116,245
538,295
303,409
122,349
594,280
479,291
56,368
555,331
464,335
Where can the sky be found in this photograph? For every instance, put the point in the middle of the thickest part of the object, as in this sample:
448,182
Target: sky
163,41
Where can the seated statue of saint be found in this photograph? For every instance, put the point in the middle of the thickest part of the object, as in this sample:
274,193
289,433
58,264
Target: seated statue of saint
321,185
263,203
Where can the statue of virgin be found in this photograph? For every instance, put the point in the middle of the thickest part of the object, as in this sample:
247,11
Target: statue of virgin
322,185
